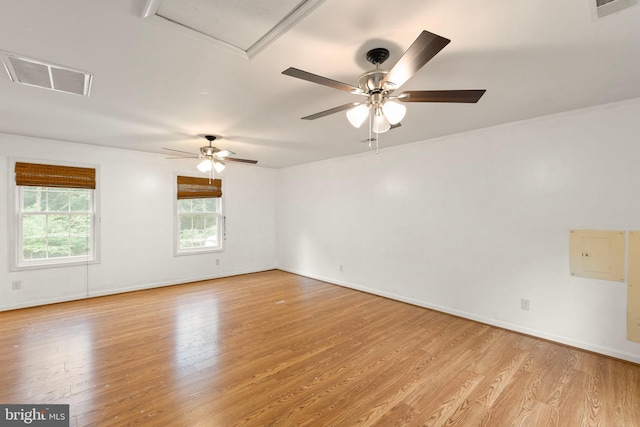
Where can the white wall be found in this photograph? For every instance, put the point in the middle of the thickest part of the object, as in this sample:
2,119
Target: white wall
136,192
469,224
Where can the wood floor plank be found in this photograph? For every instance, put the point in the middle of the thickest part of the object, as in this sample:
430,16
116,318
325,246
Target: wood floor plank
277,349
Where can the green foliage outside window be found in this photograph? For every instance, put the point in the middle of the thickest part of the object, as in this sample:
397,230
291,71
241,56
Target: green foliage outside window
56,222
198,222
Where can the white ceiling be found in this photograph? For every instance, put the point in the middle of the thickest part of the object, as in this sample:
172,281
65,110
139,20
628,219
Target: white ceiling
155,86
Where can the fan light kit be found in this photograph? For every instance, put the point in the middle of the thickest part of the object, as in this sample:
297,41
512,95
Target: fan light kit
379,106
213,159
384,110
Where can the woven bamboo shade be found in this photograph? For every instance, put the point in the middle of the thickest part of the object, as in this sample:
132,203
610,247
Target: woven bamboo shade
198,188
39,175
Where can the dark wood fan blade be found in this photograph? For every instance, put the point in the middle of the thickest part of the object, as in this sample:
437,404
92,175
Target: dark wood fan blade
179,151
233,159
313,78
469,96
397,125
423,49
331,111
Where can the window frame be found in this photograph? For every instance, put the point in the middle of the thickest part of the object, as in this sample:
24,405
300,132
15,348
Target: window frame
221,221
15,223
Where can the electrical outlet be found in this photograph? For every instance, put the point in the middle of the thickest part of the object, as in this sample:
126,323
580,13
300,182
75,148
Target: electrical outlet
16,285
217,261
524,304
341,269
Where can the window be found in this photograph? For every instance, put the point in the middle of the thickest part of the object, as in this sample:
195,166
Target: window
199,220
55,215
54,222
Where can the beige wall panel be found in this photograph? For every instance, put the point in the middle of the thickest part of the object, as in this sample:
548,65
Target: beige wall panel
633,292
598,254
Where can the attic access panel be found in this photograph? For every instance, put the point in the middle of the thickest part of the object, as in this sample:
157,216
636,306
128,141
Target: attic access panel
241,26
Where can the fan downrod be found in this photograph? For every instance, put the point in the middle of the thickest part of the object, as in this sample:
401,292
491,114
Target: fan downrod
378,55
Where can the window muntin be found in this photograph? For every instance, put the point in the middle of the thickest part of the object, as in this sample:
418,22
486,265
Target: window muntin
199,225
55,225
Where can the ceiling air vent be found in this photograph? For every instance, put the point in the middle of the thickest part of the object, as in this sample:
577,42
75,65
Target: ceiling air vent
602,8
33,72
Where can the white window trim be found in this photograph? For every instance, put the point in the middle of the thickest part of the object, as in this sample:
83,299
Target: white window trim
14,231
176,226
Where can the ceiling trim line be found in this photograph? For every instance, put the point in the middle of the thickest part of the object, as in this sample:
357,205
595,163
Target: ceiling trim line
191,32
303,9
150,8
295,16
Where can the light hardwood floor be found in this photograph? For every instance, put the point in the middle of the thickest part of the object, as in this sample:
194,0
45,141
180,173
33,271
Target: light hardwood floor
274,348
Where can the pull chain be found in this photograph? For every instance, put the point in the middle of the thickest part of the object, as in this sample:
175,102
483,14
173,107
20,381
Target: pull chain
370,128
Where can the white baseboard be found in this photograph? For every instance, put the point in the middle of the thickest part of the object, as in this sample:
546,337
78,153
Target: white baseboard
44,301
132,288
471,316
173,283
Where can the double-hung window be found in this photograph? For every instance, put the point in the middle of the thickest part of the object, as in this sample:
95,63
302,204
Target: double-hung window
55,215
199,219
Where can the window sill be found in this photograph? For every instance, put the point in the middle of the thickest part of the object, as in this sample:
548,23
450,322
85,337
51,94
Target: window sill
53,264
186,252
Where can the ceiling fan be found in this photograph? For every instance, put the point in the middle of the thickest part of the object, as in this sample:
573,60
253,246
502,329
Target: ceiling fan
213,158
378,86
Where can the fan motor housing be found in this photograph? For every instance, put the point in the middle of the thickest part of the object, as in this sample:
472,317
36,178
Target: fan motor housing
208,150
371,81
